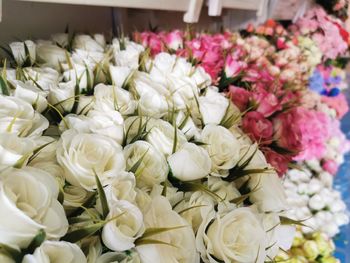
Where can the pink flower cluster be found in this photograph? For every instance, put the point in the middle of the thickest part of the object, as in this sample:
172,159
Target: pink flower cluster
266,74
327,32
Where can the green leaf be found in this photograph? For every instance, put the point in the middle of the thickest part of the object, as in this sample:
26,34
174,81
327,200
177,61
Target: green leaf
11,252
175,138
136,165
190,208
60,114
79,234
38,149
4,87
140,242
158,230
102,195
27,61
288,221
36,242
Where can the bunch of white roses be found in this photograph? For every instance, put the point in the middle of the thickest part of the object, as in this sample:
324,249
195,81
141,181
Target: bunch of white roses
108,155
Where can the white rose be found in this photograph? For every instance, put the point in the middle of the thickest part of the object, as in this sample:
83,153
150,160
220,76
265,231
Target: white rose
85,104
237,236
117,257
162,64
13,148
161,135
213,106
144,83
80,74
183,91
86,42
32,95
47,152
45,77
122,188
19,52
196,208
62,39
153,168
153,105
226,190
120,75
186,124
278,235
222,146
92,248
269,195
51,55
81,155
89,59
256,157
114,98
74,197
53,168
79,123
28,202
182,246
56,251
128,56
190,162
18,117
182,67
110,124
201,77
63,96
121,233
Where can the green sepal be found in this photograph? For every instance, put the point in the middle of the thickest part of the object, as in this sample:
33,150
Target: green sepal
102,195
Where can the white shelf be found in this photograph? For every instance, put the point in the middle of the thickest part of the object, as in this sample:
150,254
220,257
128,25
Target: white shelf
192,8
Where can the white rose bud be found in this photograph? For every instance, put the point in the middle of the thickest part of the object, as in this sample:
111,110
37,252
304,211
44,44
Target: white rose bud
32,95
82,155
222,146
213,106
190,162
152,168
162,135
79,74
13,148
63,96
18,117
120,75
182,246
86,42
19,51
56,251
51,55
120,234
122,188
114,98
269,195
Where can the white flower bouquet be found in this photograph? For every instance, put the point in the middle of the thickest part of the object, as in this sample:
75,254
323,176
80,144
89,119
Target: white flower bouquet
108,155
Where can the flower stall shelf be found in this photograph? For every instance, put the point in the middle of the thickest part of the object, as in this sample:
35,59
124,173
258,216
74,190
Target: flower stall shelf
192,8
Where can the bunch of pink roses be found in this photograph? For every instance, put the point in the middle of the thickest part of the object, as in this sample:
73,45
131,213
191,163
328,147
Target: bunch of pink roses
326,31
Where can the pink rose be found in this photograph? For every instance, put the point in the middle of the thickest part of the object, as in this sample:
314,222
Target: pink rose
233,67
288,133
268,103
239,96
174,39
278,161
257,126
330,166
